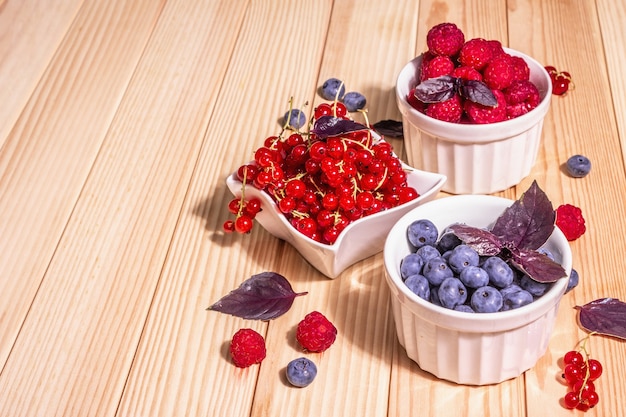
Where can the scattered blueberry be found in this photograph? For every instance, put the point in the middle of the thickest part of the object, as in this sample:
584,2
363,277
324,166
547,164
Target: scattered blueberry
411,265
452,292
301,372
486,300
422,232
500,273
537,289
474,277
573,280
516,299
354,101
461,257
419,285
330,88
294,118
578,166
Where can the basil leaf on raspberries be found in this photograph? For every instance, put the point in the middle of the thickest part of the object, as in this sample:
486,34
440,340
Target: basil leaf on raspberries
327,126
478,92
436,90
263,296
606,316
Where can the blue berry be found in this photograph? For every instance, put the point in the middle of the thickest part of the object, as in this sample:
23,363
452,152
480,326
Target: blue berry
411,265
301,372
516,299
573,280
434,296
474,277
436,270
428,252
422,232
486,300
419,285
330,88
464,308
452,292
354,101
546,252
448,241
578,166
294,118
500,273
461,257
511,288
536,288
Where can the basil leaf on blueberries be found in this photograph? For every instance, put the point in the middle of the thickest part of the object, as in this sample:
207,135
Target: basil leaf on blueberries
606,316
436,90
263,296
478,92
327,126
389,128
537,265
482,241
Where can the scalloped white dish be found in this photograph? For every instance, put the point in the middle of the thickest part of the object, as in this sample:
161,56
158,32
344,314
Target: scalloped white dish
359,240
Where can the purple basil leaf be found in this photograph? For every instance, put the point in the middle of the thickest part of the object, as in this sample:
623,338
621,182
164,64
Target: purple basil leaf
389,128
478,92
327,126
605,316
482,241
263,296
528,222
436,90
537,265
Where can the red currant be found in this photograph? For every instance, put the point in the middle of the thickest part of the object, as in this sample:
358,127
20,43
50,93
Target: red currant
594,368
573,357
229,226
571,400
243,224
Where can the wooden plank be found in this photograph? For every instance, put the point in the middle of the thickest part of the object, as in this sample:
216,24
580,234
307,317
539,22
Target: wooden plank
91,307
49,153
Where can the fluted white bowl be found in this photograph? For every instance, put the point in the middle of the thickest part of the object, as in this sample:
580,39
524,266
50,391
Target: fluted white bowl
470,348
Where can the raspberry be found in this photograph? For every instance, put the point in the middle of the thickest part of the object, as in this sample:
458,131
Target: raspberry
445,39
247,348
570,220
315,332
476,53
467,73
519,68
480,114
449,111
496,48
521,97
498,73
436,67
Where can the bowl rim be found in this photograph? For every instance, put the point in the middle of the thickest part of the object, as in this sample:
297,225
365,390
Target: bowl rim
474,133
462,321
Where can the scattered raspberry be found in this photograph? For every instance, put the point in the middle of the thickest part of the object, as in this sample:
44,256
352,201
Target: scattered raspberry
450,110
436,67
521,97
445,39
480,114
247,348
498,73
315,332
570,220
467,73
519,68
476,53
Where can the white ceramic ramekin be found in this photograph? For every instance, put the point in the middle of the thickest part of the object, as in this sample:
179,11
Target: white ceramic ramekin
470,348
476,159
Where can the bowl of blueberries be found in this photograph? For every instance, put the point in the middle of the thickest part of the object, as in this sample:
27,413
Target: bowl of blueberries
468,307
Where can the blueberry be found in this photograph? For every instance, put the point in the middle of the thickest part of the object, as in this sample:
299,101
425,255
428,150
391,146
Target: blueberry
428,252
537,289
354,101
464,308
500,273
573,280
411,265
419,285
448,241
546,252
516,299
461,257
301,372
474,277
294,118
578,166
511,288
422,232
436,270
434,296
452,292
486,299
330,88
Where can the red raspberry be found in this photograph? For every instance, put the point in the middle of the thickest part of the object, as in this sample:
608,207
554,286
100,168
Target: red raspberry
247,348
414,101
436,67
570,220
445,39
467,73
480,114
521,97
498,74
520,68
476,53
315,332
449,111
496,48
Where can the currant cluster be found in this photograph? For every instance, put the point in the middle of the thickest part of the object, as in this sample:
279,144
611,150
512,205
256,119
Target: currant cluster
245,211
323,184
561,80
579,372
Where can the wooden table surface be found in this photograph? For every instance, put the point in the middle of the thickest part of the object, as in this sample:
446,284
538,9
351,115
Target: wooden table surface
119,122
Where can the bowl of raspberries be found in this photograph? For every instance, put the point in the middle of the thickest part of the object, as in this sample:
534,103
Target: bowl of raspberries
472,110
475,300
